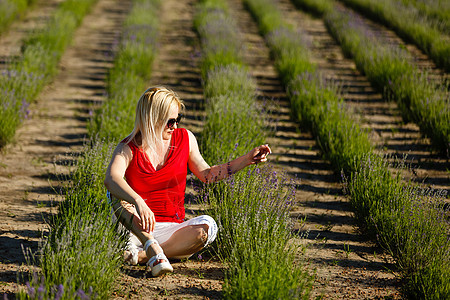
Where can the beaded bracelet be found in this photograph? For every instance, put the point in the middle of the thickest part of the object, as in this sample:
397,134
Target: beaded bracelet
229,169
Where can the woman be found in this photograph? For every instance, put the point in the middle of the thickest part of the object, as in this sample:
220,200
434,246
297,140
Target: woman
146,181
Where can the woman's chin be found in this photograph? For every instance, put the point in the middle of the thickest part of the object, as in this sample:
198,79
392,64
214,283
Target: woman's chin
167,135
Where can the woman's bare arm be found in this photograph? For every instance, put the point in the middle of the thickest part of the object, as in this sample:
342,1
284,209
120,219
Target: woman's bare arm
120,189
208,174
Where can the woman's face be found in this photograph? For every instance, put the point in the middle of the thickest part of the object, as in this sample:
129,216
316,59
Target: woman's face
167,131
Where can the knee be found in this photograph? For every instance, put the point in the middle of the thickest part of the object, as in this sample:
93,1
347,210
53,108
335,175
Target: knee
211,229
202,234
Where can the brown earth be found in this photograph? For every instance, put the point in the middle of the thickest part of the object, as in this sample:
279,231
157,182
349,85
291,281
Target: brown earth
347,266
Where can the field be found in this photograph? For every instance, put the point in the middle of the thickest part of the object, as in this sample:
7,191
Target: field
361,120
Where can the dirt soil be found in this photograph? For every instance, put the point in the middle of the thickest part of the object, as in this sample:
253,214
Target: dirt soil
347,266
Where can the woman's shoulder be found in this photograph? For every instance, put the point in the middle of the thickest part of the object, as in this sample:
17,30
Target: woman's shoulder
127,146
124,150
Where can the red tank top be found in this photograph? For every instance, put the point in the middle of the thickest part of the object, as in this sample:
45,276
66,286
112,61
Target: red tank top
162,190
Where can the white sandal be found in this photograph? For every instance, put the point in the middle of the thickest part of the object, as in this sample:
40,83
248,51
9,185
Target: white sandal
161,268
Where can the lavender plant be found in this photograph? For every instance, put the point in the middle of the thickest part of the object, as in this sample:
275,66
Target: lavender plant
409,221
291,51
10,10
371,189
435,11
226,79
316,7
317,103
314,102
85,189
132,65
252,212
220,41
234,123
79,256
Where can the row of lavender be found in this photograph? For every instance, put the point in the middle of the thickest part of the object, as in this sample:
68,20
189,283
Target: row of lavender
11,10
427,25
390,70
424,24
41,52
251,207
409,222
82,255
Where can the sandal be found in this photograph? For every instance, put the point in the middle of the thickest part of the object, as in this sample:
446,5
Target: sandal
161,268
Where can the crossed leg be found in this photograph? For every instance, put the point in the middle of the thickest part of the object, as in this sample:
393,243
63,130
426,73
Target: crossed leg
183,242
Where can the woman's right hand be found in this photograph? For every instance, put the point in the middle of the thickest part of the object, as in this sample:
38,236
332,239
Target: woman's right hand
147,217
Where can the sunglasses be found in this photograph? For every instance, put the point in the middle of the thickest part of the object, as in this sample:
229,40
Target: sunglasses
172,121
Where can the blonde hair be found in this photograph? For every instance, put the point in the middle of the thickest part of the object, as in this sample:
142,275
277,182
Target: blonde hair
152,114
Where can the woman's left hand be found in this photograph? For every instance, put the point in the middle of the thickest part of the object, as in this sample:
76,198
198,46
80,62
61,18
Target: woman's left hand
259,154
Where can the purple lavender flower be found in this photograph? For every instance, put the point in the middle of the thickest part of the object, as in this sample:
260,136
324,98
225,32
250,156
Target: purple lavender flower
60,292
41,292
81,294
31,290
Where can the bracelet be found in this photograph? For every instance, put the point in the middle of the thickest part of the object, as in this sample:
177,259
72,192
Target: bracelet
229,169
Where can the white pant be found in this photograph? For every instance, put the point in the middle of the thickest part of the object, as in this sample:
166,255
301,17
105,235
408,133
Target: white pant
164,230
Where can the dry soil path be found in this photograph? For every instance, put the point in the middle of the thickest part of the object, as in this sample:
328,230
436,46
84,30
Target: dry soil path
52,137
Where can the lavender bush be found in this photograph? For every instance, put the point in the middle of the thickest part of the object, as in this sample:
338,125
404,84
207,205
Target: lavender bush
234,123
221,44
128,77
291,50
252,212
317,104
10,10
435,11
389,69
79,256
409,221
